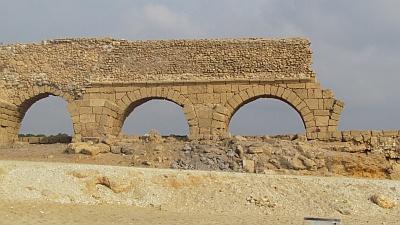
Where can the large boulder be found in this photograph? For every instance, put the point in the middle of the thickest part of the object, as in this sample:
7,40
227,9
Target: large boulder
87,148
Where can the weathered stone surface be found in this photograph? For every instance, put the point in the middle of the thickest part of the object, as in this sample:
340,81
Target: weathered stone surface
83,148
104,80
383,201
248,165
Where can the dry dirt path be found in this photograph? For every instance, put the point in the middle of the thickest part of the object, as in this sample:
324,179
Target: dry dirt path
28,213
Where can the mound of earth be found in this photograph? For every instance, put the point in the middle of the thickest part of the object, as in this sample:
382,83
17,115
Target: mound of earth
285,154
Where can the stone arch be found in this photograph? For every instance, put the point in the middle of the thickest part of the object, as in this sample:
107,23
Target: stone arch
25,101
131,100
224,113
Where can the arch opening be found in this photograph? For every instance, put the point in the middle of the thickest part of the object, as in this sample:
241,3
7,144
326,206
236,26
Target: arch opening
265,115
45,116
160,114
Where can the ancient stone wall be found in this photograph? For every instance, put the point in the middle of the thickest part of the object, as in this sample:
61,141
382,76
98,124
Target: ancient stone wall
73,64
104,80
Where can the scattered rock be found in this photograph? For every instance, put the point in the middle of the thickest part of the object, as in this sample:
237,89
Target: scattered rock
91,150
300,137
292,163
255,149
261,202
154,136
343,210
116,149
109,140
187,148
239,150
383,201
159,148
116,185
104,148
147,163
20,144
248,165
308,163
83,148
127,150
50,195
239,138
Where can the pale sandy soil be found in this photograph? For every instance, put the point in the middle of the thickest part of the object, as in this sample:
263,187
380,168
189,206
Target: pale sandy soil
31,213
60,193
28,213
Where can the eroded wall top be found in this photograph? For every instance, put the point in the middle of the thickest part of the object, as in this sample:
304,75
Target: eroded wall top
73,64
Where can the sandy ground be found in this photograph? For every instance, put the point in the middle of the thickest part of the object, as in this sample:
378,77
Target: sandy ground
28,213
61,193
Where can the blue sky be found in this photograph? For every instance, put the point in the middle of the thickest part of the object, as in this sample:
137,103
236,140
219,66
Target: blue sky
355,45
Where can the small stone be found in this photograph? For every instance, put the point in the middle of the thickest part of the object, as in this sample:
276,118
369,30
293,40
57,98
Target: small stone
154,136
83,148
344,211
109,139
146,163
230,153
300,137
127,150
92,150
343,208
383,201
239,150
255,150
116,149
104,148
248,165
239,138
159,148
49,194
186,148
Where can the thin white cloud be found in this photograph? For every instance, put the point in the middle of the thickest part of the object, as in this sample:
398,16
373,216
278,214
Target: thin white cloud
156,21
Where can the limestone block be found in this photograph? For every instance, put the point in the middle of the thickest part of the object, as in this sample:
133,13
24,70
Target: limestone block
321,120
328,103
219,116
259,90
312,85
85,110
274,90
327,94
244,96
320,112
296,85
96,102
312,103
87,118
335,116
301,93
332,128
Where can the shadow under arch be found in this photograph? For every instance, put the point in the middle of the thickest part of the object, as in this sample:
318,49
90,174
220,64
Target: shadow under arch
137,99
255,120
283,94
141,103
27,101
252,99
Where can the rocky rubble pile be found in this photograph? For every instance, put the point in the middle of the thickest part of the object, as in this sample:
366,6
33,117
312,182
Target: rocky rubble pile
288,154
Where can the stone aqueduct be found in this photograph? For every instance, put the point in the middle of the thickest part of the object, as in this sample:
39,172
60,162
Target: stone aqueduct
103,80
